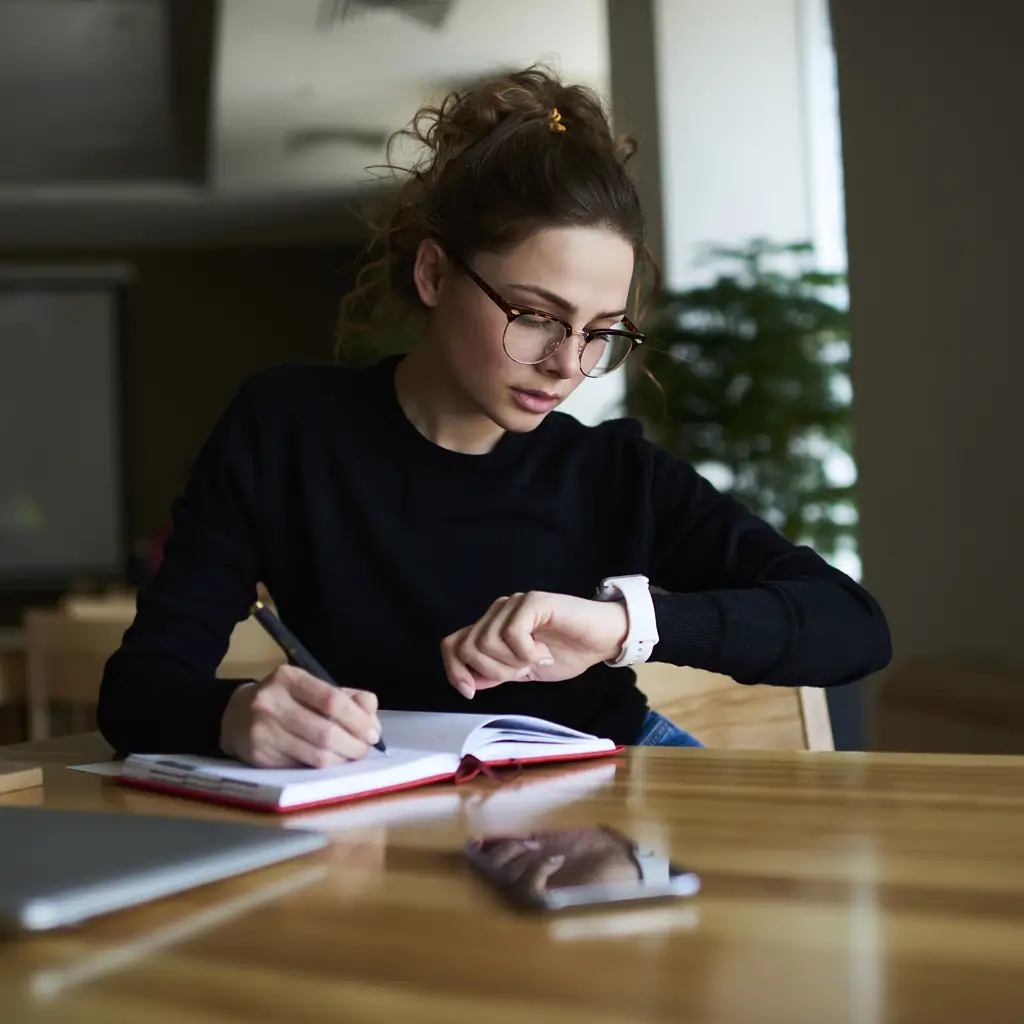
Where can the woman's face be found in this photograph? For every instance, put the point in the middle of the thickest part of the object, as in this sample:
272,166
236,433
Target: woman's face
581,275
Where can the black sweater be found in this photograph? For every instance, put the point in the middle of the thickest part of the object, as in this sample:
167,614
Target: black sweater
376,543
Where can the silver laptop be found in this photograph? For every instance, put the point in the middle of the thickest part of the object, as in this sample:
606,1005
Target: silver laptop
61,867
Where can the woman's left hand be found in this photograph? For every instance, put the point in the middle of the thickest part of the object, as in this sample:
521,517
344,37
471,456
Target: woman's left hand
534,636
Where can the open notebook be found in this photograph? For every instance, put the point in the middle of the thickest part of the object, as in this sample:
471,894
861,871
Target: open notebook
423,747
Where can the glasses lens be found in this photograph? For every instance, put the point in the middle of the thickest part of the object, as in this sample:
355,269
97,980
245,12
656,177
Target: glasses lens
532,339
604,353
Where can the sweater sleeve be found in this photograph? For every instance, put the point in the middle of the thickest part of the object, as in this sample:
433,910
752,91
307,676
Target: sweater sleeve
743,601
160,692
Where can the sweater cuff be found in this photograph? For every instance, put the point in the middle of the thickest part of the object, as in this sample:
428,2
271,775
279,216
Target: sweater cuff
215,697
690,629
169,716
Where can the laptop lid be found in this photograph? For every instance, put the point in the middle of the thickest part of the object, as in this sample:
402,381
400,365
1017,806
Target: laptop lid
61,867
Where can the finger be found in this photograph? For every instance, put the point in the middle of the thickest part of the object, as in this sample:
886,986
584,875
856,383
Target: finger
459,674
281,735
332,702
517,632
490,639
308,755
507,852
486,671
368,702
331,742
365,699
265,755
542,872
480,682
309,691
486,668
354,718
484,641
519,867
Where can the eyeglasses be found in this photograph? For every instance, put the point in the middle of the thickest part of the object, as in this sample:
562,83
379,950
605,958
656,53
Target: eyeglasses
532,336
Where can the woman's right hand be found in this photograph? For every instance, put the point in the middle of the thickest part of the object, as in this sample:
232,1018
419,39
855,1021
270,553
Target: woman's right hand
292,719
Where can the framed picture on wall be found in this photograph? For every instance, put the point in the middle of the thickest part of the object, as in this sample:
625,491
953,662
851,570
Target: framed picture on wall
62,488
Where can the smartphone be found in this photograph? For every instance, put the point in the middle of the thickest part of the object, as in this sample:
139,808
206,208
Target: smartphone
580,867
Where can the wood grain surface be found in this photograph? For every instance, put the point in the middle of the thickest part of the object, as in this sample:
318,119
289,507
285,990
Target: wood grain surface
838,888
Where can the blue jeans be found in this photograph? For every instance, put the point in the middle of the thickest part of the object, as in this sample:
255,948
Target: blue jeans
658,731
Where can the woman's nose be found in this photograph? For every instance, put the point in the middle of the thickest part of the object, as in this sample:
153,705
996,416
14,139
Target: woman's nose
565,361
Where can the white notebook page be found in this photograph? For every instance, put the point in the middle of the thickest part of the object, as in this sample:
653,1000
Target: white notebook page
297,785
471,734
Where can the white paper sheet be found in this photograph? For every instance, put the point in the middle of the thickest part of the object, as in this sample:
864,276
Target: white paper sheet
100,768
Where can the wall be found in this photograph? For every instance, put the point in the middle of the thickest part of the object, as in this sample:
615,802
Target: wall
732,132
931,94
197,321
198,324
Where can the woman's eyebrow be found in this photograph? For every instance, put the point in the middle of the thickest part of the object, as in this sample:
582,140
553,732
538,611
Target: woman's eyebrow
557,300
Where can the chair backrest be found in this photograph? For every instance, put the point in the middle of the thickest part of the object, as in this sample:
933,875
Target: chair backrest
65,655
115,605
67,647
251,654
721,713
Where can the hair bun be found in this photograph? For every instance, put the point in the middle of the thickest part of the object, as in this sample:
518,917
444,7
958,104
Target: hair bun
498,107
491,163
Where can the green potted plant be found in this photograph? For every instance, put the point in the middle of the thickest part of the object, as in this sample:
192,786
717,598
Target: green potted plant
752,387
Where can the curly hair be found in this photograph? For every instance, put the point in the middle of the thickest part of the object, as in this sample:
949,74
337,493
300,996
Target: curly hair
492,168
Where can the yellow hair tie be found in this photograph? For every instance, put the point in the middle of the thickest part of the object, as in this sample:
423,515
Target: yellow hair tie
555,124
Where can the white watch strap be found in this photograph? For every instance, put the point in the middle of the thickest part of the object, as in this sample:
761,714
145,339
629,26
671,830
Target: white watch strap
642,634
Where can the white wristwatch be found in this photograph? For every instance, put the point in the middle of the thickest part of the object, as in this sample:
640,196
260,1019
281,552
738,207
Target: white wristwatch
642,635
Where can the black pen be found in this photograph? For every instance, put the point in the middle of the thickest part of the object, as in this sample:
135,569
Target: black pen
297,654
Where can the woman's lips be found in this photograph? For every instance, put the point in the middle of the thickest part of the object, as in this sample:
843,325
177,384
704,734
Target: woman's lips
535,401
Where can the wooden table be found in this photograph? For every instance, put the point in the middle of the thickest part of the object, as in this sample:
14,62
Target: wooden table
837,888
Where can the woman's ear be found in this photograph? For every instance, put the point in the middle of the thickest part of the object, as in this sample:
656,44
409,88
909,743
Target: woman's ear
430,271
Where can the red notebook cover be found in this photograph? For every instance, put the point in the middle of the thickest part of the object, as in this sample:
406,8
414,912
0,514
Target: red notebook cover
469,768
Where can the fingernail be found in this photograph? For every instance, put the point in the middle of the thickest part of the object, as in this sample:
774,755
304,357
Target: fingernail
466,690
523,672
556,861
546,661
373,736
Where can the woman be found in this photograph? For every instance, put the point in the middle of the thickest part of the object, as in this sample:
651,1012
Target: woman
433,529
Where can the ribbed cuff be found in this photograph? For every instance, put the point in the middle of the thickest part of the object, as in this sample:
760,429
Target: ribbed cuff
690,629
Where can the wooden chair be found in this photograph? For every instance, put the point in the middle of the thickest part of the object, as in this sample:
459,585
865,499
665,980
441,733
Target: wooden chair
64,659
68,646
722,713
117,605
